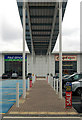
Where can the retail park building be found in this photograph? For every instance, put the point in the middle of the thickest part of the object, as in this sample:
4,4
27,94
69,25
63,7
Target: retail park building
12,61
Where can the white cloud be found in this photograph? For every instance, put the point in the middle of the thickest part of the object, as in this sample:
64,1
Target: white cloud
70,27
12,28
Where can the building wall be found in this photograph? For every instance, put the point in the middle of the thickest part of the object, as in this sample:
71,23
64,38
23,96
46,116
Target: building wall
80,63
40,65
1,64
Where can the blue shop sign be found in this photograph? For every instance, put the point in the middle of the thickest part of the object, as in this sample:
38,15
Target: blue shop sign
14,58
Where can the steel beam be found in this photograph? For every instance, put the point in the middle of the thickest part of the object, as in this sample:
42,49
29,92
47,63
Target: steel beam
30,26
53,25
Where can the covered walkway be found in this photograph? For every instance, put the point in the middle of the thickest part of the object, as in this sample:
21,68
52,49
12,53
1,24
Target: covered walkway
41,99
42,22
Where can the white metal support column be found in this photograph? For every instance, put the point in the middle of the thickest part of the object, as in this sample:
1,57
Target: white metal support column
32,48
60,49
24,80
49,67
32,64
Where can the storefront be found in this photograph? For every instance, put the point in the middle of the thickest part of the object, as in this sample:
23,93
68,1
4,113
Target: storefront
69,64
13,63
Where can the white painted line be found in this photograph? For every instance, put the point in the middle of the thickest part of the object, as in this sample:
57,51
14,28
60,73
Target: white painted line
76,102
10,117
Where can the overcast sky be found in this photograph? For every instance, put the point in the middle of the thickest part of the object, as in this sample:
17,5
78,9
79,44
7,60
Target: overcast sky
11,28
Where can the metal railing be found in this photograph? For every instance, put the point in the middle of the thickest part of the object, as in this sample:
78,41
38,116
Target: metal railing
53,83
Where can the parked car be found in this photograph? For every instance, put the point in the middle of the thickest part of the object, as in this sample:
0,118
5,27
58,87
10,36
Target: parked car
77,87
72,78
5,75
14,75
57,75
66,76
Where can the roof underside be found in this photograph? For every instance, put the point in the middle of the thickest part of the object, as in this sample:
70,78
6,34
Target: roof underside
41,25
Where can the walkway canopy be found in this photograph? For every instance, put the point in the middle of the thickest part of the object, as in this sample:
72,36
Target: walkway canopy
42,25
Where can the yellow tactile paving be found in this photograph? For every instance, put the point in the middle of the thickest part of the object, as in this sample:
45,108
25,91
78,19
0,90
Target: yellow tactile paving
47,113
21,101
2,113
27,93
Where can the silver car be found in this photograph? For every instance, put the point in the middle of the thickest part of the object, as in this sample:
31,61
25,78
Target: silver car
77,87
14,75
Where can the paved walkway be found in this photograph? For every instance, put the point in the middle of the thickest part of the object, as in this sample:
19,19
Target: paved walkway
41,100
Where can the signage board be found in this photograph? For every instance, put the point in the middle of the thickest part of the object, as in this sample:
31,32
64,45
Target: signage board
14,58
66,58
68,100
68,96
68,87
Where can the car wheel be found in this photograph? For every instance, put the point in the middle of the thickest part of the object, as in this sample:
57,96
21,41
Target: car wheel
79,91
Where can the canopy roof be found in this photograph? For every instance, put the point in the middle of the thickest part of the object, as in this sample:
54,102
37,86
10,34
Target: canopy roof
42,24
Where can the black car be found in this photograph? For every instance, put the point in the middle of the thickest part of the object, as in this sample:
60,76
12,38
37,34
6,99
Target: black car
5,75
72,78
57,75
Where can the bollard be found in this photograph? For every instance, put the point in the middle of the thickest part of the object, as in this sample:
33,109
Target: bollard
28,84
52,82
48,79
34,77
56,86
17,94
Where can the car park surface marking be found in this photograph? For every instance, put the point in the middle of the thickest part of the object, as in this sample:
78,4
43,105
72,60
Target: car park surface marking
16,117
12,100
76,102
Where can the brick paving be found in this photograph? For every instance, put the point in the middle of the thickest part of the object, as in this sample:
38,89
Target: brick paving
41,99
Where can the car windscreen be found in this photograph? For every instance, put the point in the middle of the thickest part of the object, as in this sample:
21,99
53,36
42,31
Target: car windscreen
66,76
71,76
